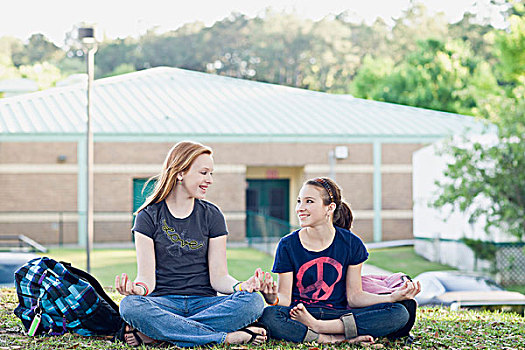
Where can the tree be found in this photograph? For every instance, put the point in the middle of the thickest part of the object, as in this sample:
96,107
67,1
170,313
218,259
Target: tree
45,74
495,170
441,76
369,82
511,48
7,69
114,54
38,50
415,25
480,37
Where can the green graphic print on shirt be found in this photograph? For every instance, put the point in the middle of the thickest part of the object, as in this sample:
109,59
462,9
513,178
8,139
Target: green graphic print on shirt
177,239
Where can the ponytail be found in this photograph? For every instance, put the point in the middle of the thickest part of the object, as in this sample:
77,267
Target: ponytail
343,216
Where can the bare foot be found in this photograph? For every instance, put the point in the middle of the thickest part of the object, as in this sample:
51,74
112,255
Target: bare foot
364,339
131,337
241,337
299,313
330,338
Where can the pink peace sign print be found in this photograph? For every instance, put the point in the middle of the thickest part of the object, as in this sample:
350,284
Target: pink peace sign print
320,286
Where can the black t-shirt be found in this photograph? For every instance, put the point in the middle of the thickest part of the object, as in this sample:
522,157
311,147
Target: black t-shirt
181,246
319,278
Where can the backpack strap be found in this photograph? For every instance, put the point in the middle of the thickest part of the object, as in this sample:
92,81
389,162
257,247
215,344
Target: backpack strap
93,281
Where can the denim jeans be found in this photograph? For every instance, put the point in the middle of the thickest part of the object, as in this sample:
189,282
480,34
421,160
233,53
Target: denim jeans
191,320
376,320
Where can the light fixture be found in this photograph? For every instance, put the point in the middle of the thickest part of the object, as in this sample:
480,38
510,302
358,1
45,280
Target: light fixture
339,152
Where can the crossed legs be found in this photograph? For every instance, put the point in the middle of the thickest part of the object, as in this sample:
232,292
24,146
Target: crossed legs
330,331
299,324
190,321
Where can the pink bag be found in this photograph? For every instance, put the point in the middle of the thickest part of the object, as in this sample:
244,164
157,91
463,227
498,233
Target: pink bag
386,284
383,284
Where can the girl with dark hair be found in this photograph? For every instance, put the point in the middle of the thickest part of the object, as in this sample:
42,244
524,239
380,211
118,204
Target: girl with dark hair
319,296
180,241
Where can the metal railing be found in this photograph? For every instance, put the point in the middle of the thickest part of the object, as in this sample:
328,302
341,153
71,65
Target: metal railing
61,227
20,243
263,232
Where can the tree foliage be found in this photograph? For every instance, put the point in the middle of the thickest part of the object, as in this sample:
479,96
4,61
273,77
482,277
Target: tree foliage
495,169
432,77
491,170
275,47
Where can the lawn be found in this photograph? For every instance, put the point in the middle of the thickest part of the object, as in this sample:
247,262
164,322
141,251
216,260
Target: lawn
107,263
403,259
434,329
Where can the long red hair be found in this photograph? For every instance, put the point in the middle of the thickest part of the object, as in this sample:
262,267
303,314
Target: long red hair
179,159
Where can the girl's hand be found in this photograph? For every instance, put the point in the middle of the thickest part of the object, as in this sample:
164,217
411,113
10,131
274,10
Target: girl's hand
254,283
269,289
408,291
125,287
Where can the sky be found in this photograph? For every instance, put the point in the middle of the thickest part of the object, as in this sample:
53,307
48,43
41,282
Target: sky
123,18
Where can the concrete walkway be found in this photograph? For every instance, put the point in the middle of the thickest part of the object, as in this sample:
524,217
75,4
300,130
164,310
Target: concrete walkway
373,270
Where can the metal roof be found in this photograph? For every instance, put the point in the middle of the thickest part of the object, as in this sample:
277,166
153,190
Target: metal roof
172,101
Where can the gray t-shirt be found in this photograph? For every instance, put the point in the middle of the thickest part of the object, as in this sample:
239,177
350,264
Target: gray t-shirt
181,246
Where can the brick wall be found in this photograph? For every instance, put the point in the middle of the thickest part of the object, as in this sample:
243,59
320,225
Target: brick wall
38,192
37,152
398,153
397,191
364,228
32,191
287,154
357,190
397,229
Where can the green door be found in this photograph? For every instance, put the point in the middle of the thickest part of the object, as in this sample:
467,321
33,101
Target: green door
268,208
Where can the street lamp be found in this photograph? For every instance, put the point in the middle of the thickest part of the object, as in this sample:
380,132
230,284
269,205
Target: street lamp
89,44
339,152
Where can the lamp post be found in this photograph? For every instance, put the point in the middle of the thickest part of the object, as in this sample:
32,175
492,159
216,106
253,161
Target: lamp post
86,36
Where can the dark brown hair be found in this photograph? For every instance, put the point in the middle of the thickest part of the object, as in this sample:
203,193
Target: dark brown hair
343,216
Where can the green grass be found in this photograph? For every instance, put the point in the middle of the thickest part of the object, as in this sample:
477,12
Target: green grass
403,259
435,328
516,288
242,262
107,263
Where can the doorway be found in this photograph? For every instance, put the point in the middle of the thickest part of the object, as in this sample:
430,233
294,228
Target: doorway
267,208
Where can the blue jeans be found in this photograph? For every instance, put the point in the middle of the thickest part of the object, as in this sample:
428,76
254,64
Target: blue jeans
191,320
376,320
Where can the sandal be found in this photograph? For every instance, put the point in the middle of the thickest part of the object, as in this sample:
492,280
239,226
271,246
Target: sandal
121,334
252,333
127,329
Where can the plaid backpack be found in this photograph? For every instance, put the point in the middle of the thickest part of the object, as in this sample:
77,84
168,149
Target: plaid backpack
55,298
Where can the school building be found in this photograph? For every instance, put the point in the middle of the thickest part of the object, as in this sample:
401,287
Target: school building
267,139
